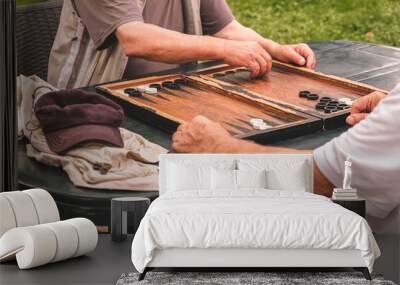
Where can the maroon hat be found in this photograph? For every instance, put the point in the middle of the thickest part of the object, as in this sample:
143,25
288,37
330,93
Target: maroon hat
72,117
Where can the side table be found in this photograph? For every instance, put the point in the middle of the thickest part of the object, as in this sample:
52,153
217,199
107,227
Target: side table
120,207
355,205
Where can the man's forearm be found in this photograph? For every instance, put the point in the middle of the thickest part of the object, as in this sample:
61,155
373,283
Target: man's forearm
236,31
158,44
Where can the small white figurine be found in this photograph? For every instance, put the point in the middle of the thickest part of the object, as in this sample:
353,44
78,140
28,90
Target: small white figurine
347,174
347,192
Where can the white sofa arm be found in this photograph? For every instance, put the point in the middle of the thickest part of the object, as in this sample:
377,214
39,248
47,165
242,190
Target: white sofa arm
26,208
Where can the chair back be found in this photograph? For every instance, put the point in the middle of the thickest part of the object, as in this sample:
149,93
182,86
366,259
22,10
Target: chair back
36,28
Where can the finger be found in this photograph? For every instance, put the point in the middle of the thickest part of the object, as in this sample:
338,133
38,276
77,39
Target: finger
176,136
305,51
178,141
254,69
311,61
181,127
310,58
360,105
177,147
267,58
263,65
356,118
294,57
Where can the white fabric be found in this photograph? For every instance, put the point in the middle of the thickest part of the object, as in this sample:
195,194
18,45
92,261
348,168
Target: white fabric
251,179
187,177
30,246
66,237
260,219
29,90
180,171
129,167
373,146
187,174
41,244
23,208
26,208
223,179
7,218
293,180
284,174
233,180
31,232
87,235
45,205
255,257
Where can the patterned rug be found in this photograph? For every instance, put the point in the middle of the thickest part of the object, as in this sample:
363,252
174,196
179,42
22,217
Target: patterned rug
244,278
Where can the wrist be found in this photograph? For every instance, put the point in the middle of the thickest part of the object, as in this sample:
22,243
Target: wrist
216,48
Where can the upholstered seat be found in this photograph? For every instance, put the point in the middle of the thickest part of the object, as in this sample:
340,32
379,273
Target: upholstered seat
31,231
47,243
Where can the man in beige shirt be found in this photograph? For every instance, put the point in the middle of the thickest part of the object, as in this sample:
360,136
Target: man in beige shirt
157,35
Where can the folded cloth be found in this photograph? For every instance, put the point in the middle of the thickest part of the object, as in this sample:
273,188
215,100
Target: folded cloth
98,166
91,165
29,90
71,117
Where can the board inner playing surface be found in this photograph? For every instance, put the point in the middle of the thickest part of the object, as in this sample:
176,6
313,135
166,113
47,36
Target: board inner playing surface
282,85
193,98
230,97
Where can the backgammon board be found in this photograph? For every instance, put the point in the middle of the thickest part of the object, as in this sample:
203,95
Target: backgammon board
229,96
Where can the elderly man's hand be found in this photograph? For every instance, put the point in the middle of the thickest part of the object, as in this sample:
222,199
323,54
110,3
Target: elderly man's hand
299,54
201,136
363,106
248,54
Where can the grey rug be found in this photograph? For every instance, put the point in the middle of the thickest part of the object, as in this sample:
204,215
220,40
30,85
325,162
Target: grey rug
233,278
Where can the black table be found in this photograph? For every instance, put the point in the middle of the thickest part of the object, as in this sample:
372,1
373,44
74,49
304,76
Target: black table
371,64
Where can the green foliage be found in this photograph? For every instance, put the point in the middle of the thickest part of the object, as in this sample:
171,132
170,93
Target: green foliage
28,2
291,21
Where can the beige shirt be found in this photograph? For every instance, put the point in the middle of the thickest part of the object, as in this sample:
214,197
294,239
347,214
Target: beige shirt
102,18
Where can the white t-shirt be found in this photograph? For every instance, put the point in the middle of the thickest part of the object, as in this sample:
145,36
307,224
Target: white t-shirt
374,148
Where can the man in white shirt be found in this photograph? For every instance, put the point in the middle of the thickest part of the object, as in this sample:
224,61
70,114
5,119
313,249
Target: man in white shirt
373,145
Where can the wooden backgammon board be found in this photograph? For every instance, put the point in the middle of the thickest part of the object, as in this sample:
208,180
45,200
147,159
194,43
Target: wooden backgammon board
229,96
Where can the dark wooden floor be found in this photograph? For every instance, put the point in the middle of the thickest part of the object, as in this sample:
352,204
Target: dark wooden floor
103,266
106,264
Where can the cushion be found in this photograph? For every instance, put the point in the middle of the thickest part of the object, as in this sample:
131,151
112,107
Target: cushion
185,178
188,175
283,174
23,208
293,180
231,180
7,218
253,179
45,205
223,179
